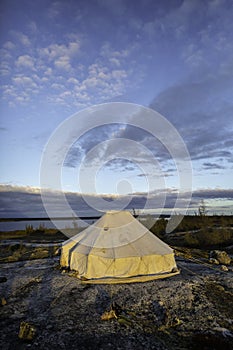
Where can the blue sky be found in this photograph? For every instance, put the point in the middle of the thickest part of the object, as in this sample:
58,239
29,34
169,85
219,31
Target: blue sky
59,57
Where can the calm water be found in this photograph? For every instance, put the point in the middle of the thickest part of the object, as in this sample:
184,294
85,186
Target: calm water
62,224
21,225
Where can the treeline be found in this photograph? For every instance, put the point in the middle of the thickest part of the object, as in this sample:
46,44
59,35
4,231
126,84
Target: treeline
194,222
198,231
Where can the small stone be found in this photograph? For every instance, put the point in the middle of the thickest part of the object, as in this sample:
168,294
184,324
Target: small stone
57,252
38,279
27,331
210,318
213,261
108,315
224,268
3,301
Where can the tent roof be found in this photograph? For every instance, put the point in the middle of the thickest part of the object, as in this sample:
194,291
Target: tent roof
121,234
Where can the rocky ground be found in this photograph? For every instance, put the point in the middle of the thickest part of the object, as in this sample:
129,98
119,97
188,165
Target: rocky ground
192,310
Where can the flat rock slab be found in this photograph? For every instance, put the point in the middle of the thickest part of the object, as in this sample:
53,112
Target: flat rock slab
174,313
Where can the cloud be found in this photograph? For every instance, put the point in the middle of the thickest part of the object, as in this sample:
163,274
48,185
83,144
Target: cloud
63,62
73,81
214,194
83,71
25,202
115,61
22,89
202,112
58,65
32,26
121,164
102,151
102,69
56,51
23,189
22,38
208,166
19,201
9,45
60,55
86,143
25,61
125,143
24,80
154,175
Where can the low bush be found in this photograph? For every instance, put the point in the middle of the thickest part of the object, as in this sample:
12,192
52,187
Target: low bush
159,228
209,237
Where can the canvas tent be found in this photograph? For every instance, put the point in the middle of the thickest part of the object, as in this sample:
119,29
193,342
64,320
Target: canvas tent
118,249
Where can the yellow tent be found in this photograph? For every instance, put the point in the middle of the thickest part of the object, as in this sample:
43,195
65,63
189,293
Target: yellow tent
118,249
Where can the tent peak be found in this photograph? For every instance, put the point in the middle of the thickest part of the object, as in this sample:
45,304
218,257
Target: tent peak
120,213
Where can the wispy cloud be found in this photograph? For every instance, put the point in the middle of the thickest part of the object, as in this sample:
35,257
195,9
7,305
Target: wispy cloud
195,109
208,166
21,38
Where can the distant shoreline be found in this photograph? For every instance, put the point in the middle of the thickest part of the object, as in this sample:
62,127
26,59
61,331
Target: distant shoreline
95,217
49,219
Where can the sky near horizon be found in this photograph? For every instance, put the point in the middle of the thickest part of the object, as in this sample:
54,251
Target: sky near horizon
175,57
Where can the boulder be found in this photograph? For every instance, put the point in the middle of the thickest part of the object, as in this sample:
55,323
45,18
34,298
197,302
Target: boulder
221,256
224,268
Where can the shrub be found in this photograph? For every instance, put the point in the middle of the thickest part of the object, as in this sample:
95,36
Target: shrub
159,228
41,228
208,237
190,240
29,229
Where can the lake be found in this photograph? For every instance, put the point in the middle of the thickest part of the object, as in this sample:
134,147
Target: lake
21,225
